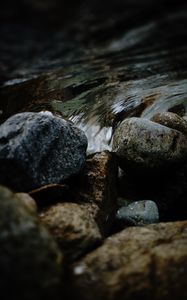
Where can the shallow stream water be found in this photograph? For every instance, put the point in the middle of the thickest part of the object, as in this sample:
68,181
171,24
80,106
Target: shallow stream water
99,70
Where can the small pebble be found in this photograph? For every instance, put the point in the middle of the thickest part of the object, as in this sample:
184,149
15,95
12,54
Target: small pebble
138,213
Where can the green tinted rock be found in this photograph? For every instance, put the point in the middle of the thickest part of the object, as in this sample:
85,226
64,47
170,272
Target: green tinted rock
29,258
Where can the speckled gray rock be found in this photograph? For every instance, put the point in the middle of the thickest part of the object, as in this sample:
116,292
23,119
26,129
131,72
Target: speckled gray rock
30,261
143,144
138,213
171,120
37,149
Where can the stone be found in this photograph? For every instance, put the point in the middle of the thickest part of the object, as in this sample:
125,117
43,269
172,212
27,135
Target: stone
148,262
143,145
138,213
38,149
30,261
28,201
171,120
97,184
73,226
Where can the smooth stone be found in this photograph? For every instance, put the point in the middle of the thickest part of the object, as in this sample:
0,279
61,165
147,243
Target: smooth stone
138,213
28,201
143,145
37,149
30,260
171,120
146,262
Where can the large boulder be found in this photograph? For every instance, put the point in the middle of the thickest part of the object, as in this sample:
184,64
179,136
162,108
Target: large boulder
30,261
145,145
147,262
38,149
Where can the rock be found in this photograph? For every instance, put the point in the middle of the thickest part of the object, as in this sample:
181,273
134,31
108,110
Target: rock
30,261
38,149
138,213
144,145
97,184
171,120
28,201
73,226
138,263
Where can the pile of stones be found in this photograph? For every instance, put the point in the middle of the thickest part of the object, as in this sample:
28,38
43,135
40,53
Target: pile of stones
111,225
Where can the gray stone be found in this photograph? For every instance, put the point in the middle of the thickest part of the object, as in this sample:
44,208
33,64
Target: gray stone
138,213
171,120
38,149
145,145
30,261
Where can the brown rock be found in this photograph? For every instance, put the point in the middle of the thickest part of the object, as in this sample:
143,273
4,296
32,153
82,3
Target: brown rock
73,226
138,263
97,184
171,120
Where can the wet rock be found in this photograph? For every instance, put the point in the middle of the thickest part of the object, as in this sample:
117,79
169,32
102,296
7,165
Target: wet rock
73,226
30,261
138,263
38,149
145,145
28,201
97,184
138,213
171,120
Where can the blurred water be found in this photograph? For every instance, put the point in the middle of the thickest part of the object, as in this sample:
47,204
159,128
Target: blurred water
137,72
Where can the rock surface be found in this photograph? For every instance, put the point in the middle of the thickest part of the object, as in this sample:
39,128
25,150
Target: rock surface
97,183
138,263
38,149
30,261
171,120
138,213
145,145
73,226
28,201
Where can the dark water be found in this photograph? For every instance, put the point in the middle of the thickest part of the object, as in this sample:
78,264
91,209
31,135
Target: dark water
106,64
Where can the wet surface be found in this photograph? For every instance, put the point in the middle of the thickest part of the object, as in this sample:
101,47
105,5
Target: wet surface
106,65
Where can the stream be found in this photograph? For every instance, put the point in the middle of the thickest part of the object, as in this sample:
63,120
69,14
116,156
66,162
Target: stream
105,66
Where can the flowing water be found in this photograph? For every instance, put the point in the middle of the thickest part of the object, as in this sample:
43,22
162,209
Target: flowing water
98,71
